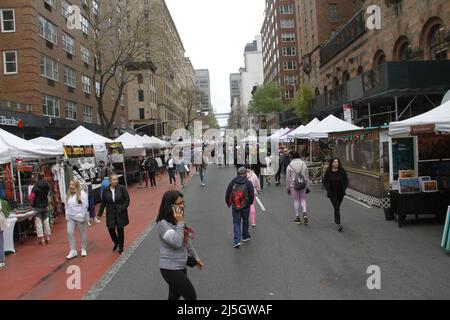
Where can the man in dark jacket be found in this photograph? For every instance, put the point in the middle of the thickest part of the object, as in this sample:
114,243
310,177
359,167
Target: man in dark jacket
40,205
240,195
152,170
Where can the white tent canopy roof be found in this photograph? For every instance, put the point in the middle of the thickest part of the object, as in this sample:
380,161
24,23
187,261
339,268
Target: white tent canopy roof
43,141
300,130
21,148
130,142
82,137
326,126
439,116
280,133
155,142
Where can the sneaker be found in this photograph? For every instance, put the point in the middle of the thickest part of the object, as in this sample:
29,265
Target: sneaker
203,184
247,239
237,245
2,265
254,225
83,252
72,254
340,227
298,220
305,219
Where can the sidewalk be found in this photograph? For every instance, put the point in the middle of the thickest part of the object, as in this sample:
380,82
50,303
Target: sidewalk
39,272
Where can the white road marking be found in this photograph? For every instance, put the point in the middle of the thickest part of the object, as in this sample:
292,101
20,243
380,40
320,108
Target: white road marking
261,204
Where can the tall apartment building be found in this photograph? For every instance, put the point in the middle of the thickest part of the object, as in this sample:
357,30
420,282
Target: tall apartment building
252,75
165,49
203,84
46,77
280,46
235,86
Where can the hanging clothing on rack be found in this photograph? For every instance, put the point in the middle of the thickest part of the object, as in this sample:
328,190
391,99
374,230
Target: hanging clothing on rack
8,182
91,207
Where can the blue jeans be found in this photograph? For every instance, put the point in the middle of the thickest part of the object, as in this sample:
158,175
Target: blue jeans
202,175
238,216
2,247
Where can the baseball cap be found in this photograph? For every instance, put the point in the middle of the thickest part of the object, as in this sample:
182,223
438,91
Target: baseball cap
242,170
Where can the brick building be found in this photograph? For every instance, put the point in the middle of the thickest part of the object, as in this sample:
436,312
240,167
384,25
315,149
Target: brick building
46,77
390,74
280,47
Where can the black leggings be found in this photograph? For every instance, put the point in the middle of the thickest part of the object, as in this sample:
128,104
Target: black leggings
179,284
336,201
152,178
119,237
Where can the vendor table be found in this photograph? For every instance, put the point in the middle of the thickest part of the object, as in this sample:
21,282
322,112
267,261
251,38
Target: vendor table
435,203
21,217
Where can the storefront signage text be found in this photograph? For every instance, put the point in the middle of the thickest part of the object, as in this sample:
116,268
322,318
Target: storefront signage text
72,152
12,122
425,129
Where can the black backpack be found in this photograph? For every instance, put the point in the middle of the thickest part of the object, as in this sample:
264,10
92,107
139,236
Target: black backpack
239,196
300,181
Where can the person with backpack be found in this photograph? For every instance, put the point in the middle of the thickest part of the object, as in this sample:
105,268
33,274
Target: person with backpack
297,184
335,182
239,196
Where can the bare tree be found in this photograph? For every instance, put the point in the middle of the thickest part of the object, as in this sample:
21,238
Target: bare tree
189,107
116,41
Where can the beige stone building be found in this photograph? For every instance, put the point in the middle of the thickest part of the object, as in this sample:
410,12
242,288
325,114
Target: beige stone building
46,71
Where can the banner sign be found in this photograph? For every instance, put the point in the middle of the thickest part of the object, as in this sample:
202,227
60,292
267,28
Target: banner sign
115,151
348,112
425,129
73,152
12,122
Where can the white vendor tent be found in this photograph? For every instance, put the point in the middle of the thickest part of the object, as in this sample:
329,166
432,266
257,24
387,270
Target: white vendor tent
21,148
5,152
162,143
48,142
326,126
82,137
134,146
439,116
300,130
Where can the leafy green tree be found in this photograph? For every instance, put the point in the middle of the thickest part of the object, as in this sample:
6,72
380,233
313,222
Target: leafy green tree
303,102
266,100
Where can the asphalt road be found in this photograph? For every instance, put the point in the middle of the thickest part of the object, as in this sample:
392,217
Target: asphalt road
289,261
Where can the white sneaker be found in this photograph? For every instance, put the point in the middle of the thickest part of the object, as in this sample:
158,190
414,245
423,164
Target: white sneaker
83,252
2,265
72,254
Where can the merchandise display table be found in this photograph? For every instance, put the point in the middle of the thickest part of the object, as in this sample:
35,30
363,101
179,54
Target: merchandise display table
13,219
434,203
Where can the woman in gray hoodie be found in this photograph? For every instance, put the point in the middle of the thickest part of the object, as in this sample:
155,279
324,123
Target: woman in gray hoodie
297,166
176,247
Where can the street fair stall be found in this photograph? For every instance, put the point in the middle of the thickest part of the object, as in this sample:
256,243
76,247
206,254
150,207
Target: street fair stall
364,153
420,164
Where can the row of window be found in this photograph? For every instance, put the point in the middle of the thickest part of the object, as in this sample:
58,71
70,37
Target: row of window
51,108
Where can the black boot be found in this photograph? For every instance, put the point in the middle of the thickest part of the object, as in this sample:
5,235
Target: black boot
116,245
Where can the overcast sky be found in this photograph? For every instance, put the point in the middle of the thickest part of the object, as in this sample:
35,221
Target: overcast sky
214,34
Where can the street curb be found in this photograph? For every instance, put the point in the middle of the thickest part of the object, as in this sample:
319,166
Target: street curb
95,291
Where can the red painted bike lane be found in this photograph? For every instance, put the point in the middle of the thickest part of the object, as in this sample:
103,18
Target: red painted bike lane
37,272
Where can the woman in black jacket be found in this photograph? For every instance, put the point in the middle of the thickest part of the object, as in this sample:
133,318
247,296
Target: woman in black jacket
40,193
116,201
336,182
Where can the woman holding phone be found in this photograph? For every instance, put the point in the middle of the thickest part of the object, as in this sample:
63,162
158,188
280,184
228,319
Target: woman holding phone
176,247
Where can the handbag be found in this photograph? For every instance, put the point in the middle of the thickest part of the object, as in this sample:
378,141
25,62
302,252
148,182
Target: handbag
191,262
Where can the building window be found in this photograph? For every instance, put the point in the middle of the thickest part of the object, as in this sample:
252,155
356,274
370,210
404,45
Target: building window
49,68
438,45
8,20
95,7
48,30
65,9
50,106
122,100
50,3
141,95
140,78
88,114
288,51
141,113
123,122
97,88
332,12
287,9
287,23
290,80
86,84
289,65
68,43
288,94
71,110
10,62
85,54
288,37
70,77
84,25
